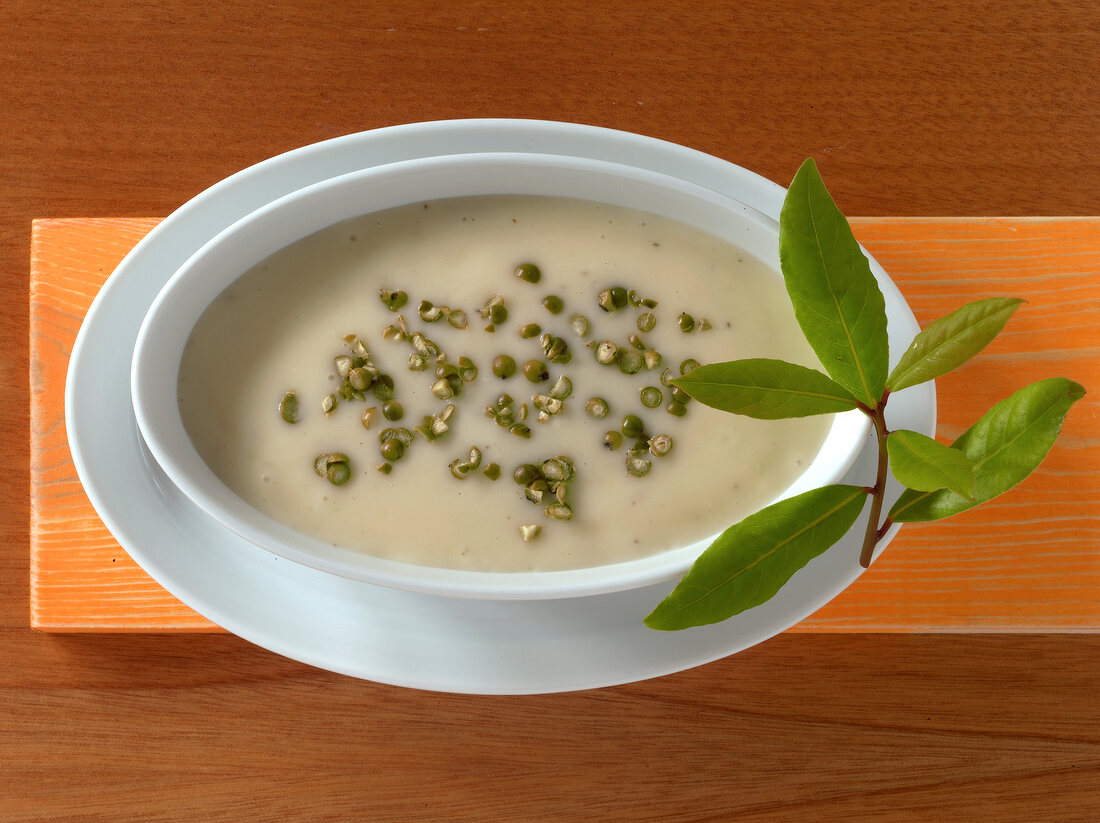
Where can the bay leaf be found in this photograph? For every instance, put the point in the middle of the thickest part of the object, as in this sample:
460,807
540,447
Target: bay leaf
766,389
1006,445
836,299
949,342
752,560
920,463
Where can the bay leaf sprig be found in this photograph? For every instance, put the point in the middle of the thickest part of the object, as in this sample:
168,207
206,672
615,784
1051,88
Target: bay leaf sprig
841,311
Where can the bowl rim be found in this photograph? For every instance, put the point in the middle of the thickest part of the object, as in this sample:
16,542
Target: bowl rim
164,435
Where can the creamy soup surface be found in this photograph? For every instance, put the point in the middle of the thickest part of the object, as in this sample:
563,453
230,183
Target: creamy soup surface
279,327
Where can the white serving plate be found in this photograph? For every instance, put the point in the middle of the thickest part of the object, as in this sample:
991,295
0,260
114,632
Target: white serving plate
415,640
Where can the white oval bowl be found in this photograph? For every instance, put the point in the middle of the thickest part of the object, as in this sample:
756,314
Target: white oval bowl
238,248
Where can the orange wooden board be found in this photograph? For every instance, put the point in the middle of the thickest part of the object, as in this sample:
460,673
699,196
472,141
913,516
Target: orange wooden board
1027,561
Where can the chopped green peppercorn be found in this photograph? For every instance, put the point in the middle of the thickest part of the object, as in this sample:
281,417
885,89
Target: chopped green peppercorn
630,361
288,407
597,407
393,300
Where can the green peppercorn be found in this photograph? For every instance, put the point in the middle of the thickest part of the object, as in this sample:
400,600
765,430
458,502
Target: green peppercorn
535,371
288,407
343,364
334,467
495,312
660,445
339,473
393,300
526,473
563,387
429,313
504,366
632,426
553,304
467,370
383,387
680,396
597,407
606,352
528,272
630,361
393,449
651,397
443,389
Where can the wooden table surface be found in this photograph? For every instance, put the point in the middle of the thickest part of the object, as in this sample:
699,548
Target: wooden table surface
130,109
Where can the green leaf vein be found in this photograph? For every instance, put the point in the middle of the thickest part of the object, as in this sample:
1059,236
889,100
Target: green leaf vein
783,544
849,339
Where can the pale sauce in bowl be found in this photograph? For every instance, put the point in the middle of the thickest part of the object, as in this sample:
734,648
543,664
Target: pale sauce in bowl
278,328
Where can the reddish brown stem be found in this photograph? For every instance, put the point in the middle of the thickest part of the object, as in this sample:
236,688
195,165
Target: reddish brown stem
873,534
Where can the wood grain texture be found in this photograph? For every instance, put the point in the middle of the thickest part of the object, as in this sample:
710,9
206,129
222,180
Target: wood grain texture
1028,562
832,727
72,553
963,108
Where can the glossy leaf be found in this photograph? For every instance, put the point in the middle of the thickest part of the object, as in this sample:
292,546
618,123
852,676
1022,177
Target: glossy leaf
920,463
766,389
836,299
751,560
952,340
1005,446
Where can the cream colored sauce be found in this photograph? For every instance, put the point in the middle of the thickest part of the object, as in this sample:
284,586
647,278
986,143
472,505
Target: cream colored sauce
279,327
